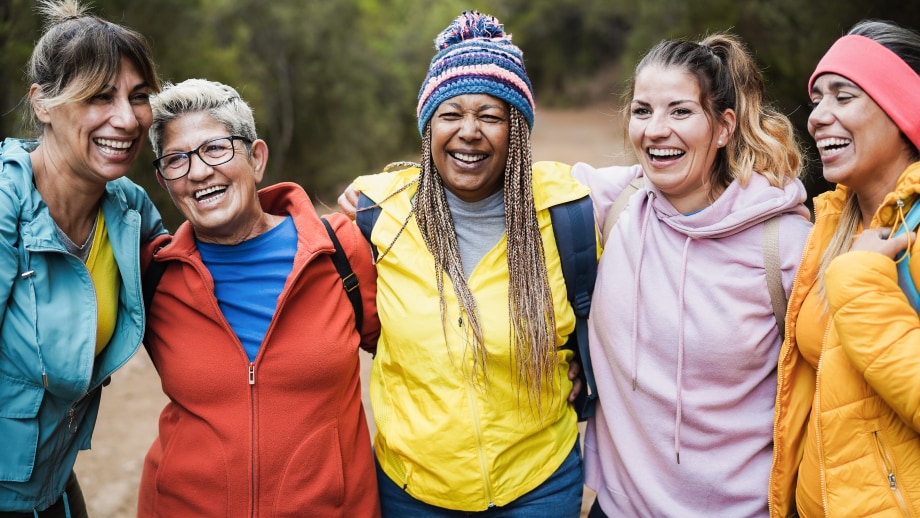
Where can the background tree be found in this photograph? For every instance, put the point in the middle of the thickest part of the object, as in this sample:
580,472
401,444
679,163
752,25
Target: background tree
334,83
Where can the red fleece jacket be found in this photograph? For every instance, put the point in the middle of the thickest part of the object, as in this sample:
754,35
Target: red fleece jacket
284,435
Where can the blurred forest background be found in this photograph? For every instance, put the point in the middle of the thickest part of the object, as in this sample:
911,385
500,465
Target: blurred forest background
334,82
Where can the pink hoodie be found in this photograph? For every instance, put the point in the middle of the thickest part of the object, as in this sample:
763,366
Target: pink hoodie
684,344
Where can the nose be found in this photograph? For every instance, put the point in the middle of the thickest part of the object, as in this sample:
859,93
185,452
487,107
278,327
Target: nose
125,114
197,168
469,128
658,126
821,115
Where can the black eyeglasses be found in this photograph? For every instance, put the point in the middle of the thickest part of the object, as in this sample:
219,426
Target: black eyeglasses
213,152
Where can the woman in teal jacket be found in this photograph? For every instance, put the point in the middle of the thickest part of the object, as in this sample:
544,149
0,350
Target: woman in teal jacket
72,313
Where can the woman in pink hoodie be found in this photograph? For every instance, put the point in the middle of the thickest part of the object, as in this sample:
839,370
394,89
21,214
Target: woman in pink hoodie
684,337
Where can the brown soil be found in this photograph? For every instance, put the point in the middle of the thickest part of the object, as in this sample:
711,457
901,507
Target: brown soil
110,472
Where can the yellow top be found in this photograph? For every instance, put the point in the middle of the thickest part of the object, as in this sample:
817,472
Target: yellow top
104,271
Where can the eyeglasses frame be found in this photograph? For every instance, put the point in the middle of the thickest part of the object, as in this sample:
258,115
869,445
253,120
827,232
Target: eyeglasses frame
195,152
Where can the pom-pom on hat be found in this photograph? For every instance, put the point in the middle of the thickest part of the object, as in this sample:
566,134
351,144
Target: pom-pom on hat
475,56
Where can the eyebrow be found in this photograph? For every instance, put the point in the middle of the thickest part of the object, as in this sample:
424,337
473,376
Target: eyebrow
482,108
670,104
108,87
835,85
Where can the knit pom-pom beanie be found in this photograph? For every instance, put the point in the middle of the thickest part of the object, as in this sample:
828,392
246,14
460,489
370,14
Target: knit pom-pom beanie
475,56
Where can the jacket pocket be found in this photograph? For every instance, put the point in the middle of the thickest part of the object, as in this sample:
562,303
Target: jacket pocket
19,406
313,482
888,468
193,476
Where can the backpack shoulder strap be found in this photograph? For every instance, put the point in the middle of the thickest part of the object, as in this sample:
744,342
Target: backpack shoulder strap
149,282
619,205
576,240
366,217
905,280
774,273
349,279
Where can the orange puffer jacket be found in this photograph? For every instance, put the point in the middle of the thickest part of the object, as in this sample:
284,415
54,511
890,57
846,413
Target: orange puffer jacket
866,390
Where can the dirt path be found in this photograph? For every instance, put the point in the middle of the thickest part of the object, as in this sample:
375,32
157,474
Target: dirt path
110,472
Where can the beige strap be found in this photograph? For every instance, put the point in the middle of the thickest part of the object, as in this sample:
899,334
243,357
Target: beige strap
774,273
619,205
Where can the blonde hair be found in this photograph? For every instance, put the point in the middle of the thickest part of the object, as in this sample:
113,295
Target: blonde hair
79,53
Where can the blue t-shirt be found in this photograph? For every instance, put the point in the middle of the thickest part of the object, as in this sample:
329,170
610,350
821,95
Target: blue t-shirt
248,279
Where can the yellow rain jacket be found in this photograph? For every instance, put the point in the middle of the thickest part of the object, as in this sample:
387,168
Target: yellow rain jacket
866,390
445,440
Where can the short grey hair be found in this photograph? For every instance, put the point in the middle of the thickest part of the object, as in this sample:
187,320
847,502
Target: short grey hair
219,101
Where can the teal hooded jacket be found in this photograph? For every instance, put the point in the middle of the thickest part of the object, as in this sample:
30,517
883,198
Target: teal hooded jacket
50,378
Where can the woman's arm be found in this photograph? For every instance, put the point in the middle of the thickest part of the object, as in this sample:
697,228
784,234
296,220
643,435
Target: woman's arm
878,329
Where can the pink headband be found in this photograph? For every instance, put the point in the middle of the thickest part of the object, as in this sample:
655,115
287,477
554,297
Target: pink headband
891,83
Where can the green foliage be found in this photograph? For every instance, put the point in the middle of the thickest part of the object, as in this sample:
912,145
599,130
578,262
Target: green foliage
334,82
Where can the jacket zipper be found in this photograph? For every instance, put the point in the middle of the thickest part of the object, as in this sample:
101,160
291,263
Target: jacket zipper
888,467
817,423
252,434
797,280
483,463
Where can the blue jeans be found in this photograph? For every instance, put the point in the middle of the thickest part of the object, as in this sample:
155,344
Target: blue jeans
559,496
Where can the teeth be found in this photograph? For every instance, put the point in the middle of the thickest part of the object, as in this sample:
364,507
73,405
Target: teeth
204,192
829,142
665,152
468,158
115,144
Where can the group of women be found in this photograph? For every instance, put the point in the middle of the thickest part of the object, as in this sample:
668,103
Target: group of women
737,375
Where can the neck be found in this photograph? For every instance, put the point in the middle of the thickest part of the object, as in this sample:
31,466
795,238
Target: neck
871,196
258,226
73,205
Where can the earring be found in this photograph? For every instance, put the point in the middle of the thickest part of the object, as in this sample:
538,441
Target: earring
720,142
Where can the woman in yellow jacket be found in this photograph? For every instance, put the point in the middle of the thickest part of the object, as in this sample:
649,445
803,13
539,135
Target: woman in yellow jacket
846,439
469,385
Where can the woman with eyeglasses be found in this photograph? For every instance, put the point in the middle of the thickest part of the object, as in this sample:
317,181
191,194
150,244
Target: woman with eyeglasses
71,226
255,339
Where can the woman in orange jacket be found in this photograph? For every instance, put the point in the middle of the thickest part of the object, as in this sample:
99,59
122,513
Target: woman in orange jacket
254,336
846,439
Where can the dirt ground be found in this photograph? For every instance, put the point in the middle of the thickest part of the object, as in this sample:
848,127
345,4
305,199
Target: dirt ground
110,472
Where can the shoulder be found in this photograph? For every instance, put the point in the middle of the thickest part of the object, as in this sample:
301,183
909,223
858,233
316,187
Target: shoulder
133,194
606,183
381,185
553,184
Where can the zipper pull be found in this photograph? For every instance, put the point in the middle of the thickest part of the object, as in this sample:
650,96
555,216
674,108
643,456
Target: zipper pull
252,374
891,483
72,421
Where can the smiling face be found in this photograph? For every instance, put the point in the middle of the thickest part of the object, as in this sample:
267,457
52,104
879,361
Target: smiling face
673,136
221,202
469,144
860,145
97,140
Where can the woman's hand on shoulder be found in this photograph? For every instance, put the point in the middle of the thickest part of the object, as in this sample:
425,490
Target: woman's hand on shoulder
348,201
878,240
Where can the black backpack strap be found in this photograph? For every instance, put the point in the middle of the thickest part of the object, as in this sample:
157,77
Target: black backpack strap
149,282
576,240
349,279
366,217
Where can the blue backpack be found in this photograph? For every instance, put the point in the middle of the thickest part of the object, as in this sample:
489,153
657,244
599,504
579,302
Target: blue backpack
573,226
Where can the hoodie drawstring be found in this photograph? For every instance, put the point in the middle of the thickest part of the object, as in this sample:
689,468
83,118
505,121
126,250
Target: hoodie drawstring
635,326
679,382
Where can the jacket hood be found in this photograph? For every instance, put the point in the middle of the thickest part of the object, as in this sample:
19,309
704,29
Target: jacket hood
907,190
281,199
738,208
